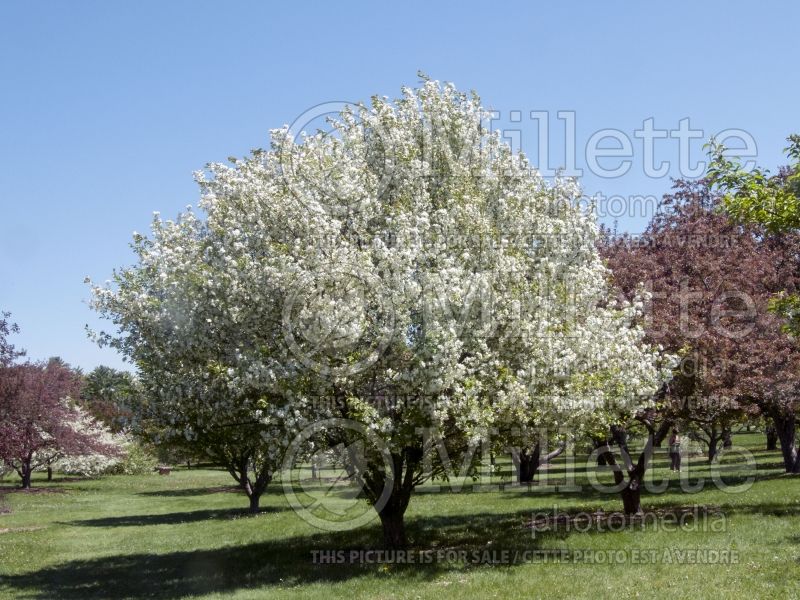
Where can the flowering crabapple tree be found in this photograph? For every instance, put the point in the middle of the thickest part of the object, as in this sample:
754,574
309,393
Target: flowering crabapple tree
39,422
106,452
404,271
598,379
482,302
248,439
200,317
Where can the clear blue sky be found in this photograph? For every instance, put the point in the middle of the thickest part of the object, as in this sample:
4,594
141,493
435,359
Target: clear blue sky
106,108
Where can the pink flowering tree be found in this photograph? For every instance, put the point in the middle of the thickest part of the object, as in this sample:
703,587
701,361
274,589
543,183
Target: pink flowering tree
37,418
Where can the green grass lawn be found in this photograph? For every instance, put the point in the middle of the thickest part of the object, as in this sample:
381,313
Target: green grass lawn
187,535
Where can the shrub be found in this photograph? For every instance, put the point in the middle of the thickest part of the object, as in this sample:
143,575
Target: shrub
139,460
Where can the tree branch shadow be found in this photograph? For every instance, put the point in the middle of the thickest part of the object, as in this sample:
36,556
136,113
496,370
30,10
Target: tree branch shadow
280,563
171,518
284,563
185,492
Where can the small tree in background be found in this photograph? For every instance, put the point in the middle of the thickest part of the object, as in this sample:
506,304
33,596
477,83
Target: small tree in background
7,351
39,422
756,196
106,451
111,396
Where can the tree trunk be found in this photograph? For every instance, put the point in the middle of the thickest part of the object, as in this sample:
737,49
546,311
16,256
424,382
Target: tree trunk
393,508
528,464
601,456
254,501
785,427
394,528
713,441
254,489
49,473
631,497
632,491
772,438
240,469
26,477
727,438
662,432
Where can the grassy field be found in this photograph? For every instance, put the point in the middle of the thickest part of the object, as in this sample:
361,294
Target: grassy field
187,535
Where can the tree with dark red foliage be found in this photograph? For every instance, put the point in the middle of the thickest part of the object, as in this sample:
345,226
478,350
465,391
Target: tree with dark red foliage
37,417
711,282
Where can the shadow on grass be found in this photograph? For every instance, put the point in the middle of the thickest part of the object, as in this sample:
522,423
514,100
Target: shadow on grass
284,563
279,563
699,480
33,490
184,492
169,518
176,574
771,509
